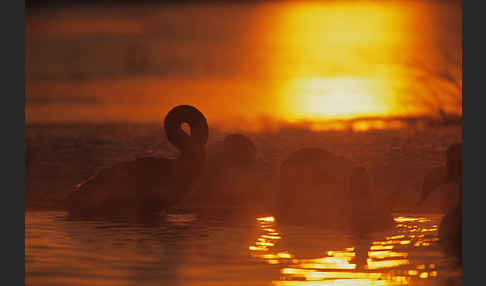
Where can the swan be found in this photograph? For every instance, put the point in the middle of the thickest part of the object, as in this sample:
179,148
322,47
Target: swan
229,179
437,193
240,150
233,171
365,215
435,178
450,229
147,185
313,183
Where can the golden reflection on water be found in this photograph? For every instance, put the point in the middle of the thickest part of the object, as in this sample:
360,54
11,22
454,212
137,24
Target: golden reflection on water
388,260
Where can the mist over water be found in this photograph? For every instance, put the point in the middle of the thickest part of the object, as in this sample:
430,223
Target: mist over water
267,62
59,156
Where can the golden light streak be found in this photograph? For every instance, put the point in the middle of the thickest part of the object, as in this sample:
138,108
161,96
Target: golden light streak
257,248
396,237
284,255
386,263
386,254
381,247
383,266
405,219
266,219
271,236
424,275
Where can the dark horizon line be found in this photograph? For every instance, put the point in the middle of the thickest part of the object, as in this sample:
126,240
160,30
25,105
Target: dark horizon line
430,120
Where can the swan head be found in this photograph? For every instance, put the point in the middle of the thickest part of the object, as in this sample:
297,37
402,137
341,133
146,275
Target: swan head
193,144
454,163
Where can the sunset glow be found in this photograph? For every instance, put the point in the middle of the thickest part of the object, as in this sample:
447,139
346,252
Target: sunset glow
332,79
276,64
336,98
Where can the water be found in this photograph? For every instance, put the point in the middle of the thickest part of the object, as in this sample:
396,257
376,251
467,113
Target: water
183,250
188,249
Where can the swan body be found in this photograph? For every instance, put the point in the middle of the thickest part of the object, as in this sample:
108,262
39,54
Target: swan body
229,177
450,229
434,179
147,185
365,215
240,150
438,192
450,232
233,178
313,187
320,188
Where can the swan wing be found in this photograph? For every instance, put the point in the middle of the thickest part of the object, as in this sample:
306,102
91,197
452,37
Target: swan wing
132,179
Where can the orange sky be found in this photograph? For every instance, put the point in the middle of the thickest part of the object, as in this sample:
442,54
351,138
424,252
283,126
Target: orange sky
286,61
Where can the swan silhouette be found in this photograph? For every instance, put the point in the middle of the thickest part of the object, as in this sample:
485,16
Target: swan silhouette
313,183
147,185
365,215
435,178
450,229
240,149
229,177
440,175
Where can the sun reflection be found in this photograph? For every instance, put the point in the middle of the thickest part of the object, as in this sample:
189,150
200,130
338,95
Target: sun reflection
387,261
267,239
424,275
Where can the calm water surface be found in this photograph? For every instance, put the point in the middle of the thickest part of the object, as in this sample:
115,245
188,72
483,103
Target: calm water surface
182,249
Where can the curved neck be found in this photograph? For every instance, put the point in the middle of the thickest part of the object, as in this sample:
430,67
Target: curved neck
193,145
190,163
